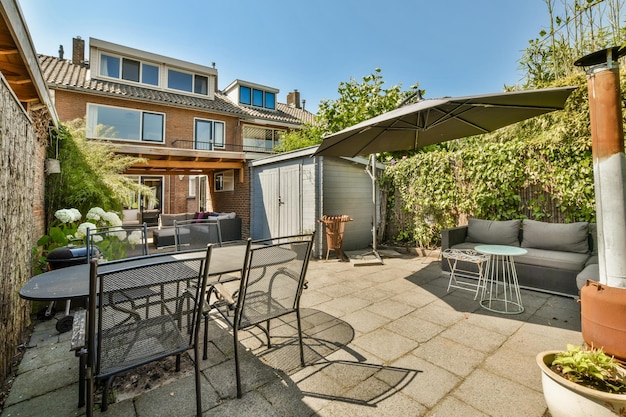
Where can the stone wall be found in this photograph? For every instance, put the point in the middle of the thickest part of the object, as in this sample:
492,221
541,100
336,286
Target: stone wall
21,166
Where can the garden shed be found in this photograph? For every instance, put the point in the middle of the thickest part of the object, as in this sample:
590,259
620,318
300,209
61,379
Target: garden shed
293,190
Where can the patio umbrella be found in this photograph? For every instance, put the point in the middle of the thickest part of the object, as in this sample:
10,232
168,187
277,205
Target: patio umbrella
432,121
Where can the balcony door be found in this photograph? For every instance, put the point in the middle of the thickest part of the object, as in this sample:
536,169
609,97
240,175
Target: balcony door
208,135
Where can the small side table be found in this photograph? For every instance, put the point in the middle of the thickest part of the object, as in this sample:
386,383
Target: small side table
501,292
465,255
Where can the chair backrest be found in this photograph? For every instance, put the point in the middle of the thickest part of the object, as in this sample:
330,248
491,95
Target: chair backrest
196,234
118,242
144,312
273,278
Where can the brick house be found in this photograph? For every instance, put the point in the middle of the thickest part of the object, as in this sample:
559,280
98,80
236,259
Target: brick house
197,139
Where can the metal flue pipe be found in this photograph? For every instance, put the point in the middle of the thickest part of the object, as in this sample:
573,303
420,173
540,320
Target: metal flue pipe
609,162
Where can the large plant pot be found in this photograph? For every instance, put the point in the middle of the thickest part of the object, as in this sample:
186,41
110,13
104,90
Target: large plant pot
603,318
567,399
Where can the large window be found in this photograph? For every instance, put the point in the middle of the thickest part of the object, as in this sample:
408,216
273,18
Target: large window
258,139
257,97
108,122
208,134
179,80
128,69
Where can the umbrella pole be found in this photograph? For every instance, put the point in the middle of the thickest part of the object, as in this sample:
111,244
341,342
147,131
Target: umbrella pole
372,173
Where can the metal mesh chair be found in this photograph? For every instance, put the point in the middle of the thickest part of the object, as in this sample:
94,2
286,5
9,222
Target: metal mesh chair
196,234
119,242
123,334
272,282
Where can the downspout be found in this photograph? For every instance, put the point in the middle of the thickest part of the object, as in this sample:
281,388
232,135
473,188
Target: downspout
609,164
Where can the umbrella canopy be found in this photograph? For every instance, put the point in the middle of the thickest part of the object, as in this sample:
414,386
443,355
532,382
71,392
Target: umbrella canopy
433,121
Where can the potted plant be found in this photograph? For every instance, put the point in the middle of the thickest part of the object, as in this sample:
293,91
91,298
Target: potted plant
582,382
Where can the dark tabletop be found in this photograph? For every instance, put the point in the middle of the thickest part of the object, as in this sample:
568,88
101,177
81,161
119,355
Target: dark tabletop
73,282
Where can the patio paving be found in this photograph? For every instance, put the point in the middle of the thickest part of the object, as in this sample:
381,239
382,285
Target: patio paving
381,340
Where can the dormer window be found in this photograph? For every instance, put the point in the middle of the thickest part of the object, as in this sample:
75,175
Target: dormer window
128,69
257,97
134,66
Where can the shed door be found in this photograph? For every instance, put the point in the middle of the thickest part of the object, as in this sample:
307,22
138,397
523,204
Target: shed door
282,200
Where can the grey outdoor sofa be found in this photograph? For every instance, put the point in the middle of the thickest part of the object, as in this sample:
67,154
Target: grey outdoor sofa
230,228
560,256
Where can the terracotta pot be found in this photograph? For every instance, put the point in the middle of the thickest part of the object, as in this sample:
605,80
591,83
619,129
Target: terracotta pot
603,318
567,399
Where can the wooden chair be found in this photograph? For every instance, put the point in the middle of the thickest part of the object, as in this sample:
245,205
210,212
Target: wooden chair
273,278
123,334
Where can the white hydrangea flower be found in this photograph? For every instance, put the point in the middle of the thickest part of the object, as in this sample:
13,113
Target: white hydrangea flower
118,232
68,215
81,232
112,218
96,213
135,238
75,214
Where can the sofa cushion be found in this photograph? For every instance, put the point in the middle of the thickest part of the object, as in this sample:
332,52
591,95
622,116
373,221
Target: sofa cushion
168,219
566,237
591,272
493,232
553,259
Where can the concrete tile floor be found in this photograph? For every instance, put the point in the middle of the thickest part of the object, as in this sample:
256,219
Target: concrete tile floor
381,340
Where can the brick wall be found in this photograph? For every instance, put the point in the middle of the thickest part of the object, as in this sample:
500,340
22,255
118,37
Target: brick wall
237,201
179,122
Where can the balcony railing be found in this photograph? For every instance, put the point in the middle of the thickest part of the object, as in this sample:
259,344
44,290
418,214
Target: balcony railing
209,146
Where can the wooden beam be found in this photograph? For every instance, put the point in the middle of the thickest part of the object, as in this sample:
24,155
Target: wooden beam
189,165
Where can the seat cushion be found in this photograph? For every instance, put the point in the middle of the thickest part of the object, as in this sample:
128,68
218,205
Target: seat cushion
591,272
493,232
566,237
553,259
168,219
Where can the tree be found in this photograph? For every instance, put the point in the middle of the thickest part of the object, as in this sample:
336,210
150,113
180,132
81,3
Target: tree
358,101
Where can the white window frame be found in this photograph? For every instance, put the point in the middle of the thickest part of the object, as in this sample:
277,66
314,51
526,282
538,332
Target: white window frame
212,140
224,181
193,185
92,130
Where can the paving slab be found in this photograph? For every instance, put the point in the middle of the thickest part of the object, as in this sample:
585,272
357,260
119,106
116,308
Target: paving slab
380,340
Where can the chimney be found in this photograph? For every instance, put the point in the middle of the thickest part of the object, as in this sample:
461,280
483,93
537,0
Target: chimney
78,51
293,99
216,88
61,52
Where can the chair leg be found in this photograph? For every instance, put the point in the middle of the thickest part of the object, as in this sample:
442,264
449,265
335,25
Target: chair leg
89,382
105,394
205,349
267,333
196,355
178,363
300,338
237,373
82,363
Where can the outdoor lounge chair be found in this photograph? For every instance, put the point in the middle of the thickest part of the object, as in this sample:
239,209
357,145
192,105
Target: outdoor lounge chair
272,281
123,335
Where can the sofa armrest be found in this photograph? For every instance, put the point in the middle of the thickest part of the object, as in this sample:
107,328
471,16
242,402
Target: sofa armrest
453,236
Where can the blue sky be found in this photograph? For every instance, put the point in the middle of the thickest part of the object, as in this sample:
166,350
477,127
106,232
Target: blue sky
449,47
